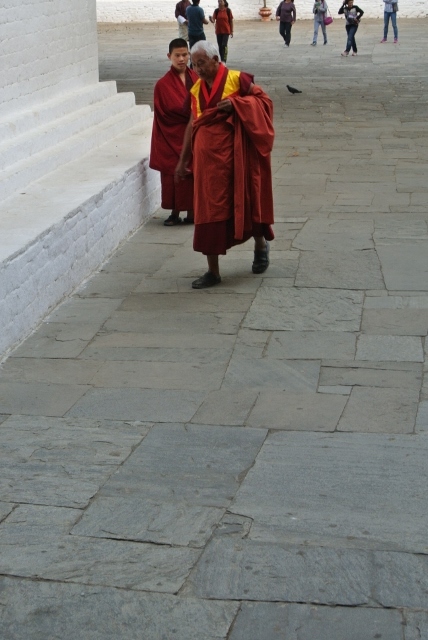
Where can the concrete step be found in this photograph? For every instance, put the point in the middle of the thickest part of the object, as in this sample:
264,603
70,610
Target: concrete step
67,223
59,107
50,134
103,128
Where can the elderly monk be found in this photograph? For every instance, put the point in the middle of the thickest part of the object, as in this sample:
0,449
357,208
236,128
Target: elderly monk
231,134
171,115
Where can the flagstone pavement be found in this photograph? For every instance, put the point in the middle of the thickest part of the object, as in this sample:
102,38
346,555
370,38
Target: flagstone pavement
248,462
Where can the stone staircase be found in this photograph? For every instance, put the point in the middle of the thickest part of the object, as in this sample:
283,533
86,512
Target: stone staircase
74,183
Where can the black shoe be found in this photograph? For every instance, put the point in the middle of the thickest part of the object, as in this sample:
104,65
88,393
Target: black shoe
207,280
261,260
172,221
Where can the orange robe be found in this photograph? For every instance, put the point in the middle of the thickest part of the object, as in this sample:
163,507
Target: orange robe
171,115
231,162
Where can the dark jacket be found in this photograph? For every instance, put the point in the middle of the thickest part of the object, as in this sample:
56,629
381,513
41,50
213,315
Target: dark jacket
353,15
286,12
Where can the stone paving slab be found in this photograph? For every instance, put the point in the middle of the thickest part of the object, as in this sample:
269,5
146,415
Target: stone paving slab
40,610
39,399
5,509
363,375
286,497
48,370
305,310
271,621
160,375
174,355
226,407
339,270
297,411
402,322
179,322
266,373
84,311
57,340
150,405
131,259
380,410
392,348
249,570
34,543
406,268
175,488
313,345
109,285
416,626
331,235
188,303
63,462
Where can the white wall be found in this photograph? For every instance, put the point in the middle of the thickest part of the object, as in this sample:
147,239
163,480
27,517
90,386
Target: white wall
163,10
74,175
46,47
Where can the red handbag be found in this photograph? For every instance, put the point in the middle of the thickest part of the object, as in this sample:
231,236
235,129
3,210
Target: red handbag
328,19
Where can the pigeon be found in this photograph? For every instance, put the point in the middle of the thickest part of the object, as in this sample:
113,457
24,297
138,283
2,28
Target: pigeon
292,89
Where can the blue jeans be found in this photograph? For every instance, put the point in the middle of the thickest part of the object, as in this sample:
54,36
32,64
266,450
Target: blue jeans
351,30
317,24
386,16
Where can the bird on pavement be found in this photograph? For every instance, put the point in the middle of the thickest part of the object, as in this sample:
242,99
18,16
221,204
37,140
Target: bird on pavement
292,89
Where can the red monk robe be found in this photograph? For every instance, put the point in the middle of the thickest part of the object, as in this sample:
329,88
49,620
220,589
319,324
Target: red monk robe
171,115
233,151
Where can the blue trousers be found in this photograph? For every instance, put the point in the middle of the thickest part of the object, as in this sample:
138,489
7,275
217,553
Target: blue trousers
386,16
317,24
351,30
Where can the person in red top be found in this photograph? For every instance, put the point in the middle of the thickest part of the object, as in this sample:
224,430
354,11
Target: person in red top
222,18
231,134
171,115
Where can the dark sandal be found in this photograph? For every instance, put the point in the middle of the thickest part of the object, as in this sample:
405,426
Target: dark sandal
205,281
188,221
261,260
171,221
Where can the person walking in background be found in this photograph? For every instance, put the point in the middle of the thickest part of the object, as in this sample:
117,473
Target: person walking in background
320,9
390,13
195,23
180,14
286,14
222,18
171,115
353,15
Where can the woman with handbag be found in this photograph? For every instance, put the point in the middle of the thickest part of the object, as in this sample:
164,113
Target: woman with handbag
353,15
319,10
390,12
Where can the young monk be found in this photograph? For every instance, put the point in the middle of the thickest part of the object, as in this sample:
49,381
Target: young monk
171,115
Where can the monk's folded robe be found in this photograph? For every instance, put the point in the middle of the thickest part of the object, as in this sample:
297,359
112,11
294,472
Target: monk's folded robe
171,115
231,162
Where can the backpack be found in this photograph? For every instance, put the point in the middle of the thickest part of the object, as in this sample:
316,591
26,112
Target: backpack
216,13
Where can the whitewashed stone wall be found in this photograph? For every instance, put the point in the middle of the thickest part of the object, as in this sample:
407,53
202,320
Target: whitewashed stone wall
163,10
74,175
47,47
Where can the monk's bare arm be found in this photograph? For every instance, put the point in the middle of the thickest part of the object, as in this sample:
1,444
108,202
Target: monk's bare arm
181,168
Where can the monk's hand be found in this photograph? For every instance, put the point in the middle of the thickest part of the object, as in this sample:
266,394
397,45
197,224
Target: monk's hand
225,105
181,172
